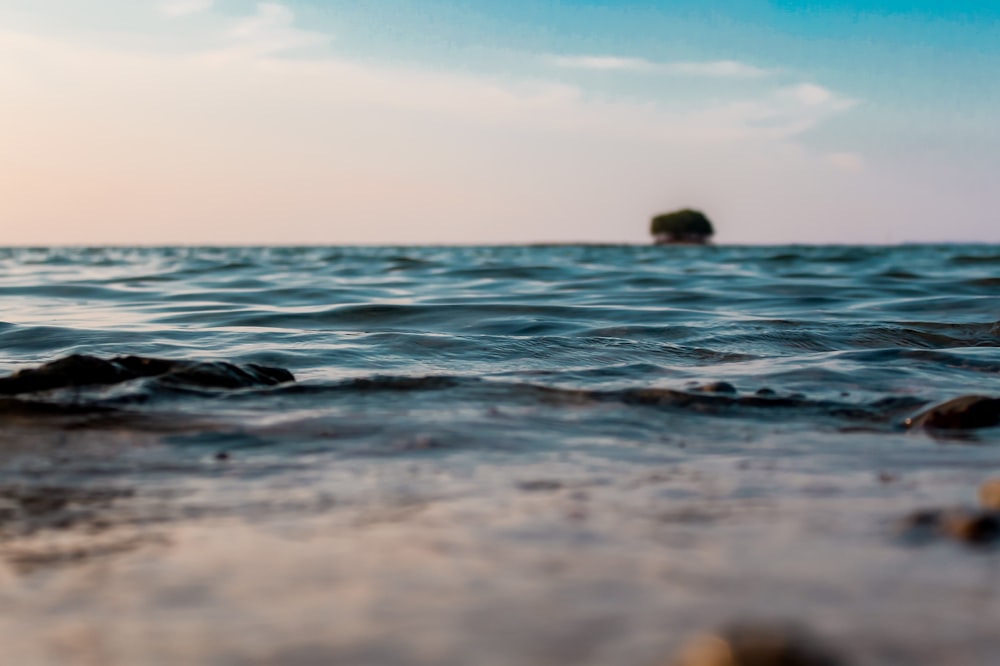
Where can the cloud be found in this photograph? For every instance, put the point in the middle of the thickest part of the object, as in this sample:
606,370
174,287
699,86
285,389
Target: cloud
718,68
603,63
809,94
185,7
781,113
270,36
328,148
850,162
272,30
710,69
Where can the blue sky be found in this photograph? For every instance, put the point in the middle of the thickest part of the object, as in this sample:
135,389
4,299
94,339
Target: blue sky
193,121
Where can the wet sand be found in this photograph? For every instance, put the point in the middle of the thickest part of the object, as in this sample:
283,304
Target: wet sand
128,555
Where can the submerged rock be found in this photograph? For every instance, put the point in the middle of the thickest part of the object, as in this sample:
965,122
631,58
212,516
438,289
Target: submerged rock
757,645
718,387
965,413
82,370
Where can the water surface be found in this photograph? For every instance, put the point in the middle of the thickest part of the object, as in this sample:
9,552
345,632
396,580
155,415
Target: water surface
495,455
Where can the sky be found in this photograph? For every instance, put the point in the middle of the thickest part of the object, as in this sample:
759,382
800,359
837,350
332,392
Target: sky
188,122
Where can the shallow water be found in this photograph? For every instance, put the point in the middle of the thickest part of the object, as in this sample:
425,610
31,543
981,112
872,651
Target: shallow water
476,464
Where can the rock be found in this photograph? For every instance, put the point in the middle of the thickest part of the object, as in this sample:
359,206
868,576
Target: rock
765,392
81,370
717,387
989,495
76,370
971,526
757,645
964,413
219,374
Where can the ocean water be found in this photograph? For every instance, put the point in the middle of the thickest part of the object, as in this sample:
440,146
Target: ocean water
495,455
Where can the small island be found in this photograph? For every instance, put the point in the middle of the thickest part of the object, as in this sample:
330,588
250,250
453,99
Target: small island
682,227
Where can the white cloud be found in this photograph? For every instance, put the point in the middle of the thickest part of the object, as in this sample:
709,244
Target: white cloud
809,94
272,30
330,149
711,69
783,112
718,68
603,63
185,7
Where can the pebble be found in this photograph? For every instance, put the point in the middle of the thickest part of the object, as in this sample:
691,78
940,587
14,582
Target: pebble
972,527
975,527
989,494
757,645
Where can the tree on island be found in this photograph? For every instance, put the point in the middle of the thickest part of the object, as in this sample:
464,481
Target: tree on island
681,226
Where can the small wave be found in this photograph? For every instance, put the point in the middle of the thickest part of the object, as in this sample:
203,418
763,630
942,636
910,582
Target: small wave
976,260
924,335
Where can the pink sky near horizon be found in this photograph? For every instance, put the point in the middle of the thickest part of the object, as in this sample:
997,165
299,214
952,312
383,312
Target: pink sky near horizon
237,138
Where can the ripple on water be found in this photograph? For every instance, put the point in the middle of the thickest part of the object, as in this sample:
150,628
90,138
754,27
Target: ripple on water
634,444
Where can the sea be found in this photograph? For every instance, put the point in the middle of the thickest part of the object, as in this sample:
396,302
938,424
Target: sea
511,455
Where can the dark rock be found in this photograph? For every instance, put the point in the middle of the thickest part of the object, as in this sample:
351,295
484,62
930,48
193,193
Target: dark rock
971,526
758,645
717,387
227,375
76,370
80,370
964,413
765,392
